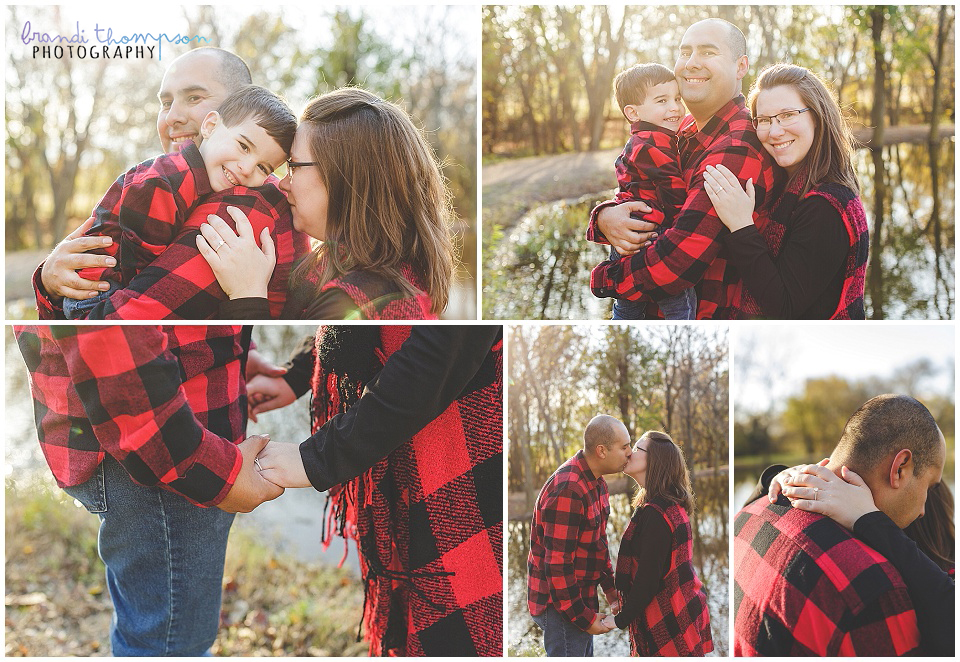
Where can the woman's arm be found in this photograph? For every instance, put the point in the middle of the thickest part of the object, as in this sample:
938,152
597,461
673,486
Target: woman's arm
651,546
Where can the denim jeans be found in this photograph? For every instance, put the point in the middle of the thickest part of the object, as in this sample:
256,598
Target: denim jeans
682,306
164,559
561,638
74,309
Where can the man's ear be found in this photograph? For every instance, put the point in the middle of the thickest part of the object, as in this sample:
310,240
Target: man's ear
742,65
209,123
601,451
901,465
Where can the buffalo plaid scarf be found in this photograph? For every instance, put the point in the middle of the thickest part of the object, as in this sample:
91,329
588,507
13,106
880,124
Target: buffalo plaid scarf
676,623
430,542
848,205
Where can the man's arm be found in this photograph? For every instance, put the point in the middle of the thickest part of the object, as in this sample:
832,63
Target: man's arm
179,284
562,515
417,384
681,255
57,276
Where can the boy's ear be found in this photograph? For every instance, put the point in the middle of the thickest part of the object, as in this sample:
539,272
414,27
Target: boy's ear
209,123
631,113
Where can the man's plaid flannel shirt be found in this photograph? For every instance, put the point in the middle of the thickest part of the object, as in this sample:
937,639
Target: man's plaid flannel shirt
153,213
691,253
803,585
568,544
169,403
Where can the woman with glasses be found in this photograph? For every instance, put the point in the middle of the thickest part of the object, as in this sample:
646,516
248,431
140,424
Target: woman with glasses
662,600
808,260
363,181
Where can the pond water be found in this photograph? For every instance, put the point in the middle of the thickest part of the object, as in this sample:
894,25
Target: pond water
290,524
540,268
525,638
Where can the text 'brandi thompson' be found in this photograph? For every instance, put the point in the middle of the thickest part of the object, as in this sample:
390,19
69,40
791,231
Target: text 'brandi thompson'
105,43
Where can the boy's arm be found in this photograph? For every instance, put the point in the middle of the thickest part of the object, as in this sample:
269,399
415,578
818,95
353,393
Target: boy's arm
179,284
682,253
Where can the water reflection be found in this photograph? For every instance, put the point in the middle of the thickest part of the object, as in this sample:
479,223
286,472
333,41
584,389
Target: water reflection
710,559
540,269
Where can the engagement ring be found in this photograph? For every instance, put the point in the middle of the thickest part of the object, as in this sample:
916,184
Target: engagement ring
216,248
256,461
816,494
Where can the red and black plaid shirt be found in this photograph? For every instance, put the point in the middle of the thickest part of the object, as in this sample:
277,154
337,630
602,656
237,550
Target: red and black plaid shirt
804,586
144,210
690,253
178,283
168,403
648,169
568,544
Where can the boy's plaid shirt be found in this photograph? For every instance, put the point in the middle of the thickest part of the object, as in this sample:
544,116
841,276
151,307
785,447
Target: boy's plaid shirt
804,586
690,253
153,213
169,403
648,169
568,544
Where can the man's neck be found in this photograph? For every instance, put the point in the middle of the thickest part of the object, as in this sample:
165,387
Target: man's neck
593,463
703,115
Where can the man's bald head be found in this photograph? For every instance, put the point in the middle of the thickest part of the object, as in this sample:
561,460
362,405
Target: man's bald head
232,72
602,430
734,37
884,425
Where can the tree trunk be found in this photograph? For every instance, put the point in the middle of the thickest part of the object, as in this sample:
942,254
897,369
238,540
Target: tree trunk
878,117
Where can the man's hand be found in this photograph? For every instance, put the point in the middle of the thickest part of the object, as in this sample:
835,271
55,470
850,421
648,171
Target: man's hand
598,626
628,235
257,364
267,393
250,489
613,599
281,464
59,271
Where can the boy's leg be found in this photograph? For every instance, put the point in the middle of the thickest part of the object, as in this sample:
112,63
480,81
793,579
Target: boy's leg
561,638
680,307
164,563
77,309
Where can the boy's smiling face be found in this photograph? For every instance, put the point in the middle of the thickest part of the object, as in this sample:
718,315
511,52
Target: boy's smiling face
239,155
661,106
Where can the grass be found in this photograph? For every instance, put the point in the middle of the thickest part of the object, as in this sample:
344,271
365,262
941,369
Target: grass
57,604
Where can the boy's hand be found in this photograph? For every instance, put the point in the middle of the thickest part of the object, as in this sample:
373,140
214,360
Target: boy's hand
628,235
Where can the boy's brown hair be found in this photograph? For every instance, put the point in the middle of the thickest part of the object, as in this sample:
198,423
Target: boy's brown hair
631,84
269,111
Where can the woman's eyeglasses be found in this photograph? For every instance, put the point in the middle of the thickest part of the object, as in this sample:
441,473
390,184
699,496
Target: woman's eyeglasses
762,123
293,165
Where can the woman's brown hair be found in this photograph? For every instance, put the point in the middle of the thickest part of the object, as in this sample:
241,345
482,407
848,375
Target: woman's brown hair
830,159
934,532
388,206
667,475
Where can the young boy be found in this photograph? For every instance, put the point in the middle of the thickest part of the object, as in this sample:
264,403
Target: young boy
241,144
648,169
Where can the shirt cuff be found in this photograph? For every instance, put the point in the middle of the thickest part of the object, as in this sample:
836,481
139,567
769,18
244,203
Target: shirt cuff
46,308
245,308
593,230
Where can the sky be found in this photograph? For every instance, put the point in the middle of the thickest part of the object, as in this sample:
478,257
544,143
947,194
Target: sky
772,361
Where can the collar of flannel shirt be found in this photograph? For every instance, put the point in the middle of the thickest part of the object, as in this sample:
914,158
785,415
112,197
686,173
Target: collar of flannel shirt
718,125
649,126
581,461
191,154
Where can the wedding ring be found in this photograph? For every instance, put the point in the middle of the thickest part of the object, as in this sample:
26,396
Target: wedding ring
216,248
256,461
719,189
816,494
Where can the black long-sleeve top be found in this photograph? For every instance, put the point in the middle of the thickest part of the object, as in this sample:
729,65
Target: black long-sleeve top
932,591
432,368
651,545
806,279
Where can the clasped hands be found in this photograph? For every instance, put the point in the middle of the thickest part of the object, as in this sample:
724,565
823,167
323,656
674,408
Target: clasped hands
603,623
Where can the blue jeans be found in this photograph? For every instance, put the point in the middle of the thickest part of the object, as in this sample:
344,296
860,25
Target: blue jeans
561,638
164,559
682,306
74,309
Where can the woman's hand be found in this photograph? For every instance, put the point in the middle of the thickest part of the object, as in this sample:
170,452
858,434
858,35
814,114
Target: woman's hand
734,205
784,477
241,267
267,393
818,490
282,465
608,622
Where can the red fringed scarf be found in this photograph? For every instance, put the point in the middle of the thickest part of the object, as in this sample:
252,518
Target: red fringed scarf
676,623
431,564
848,205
